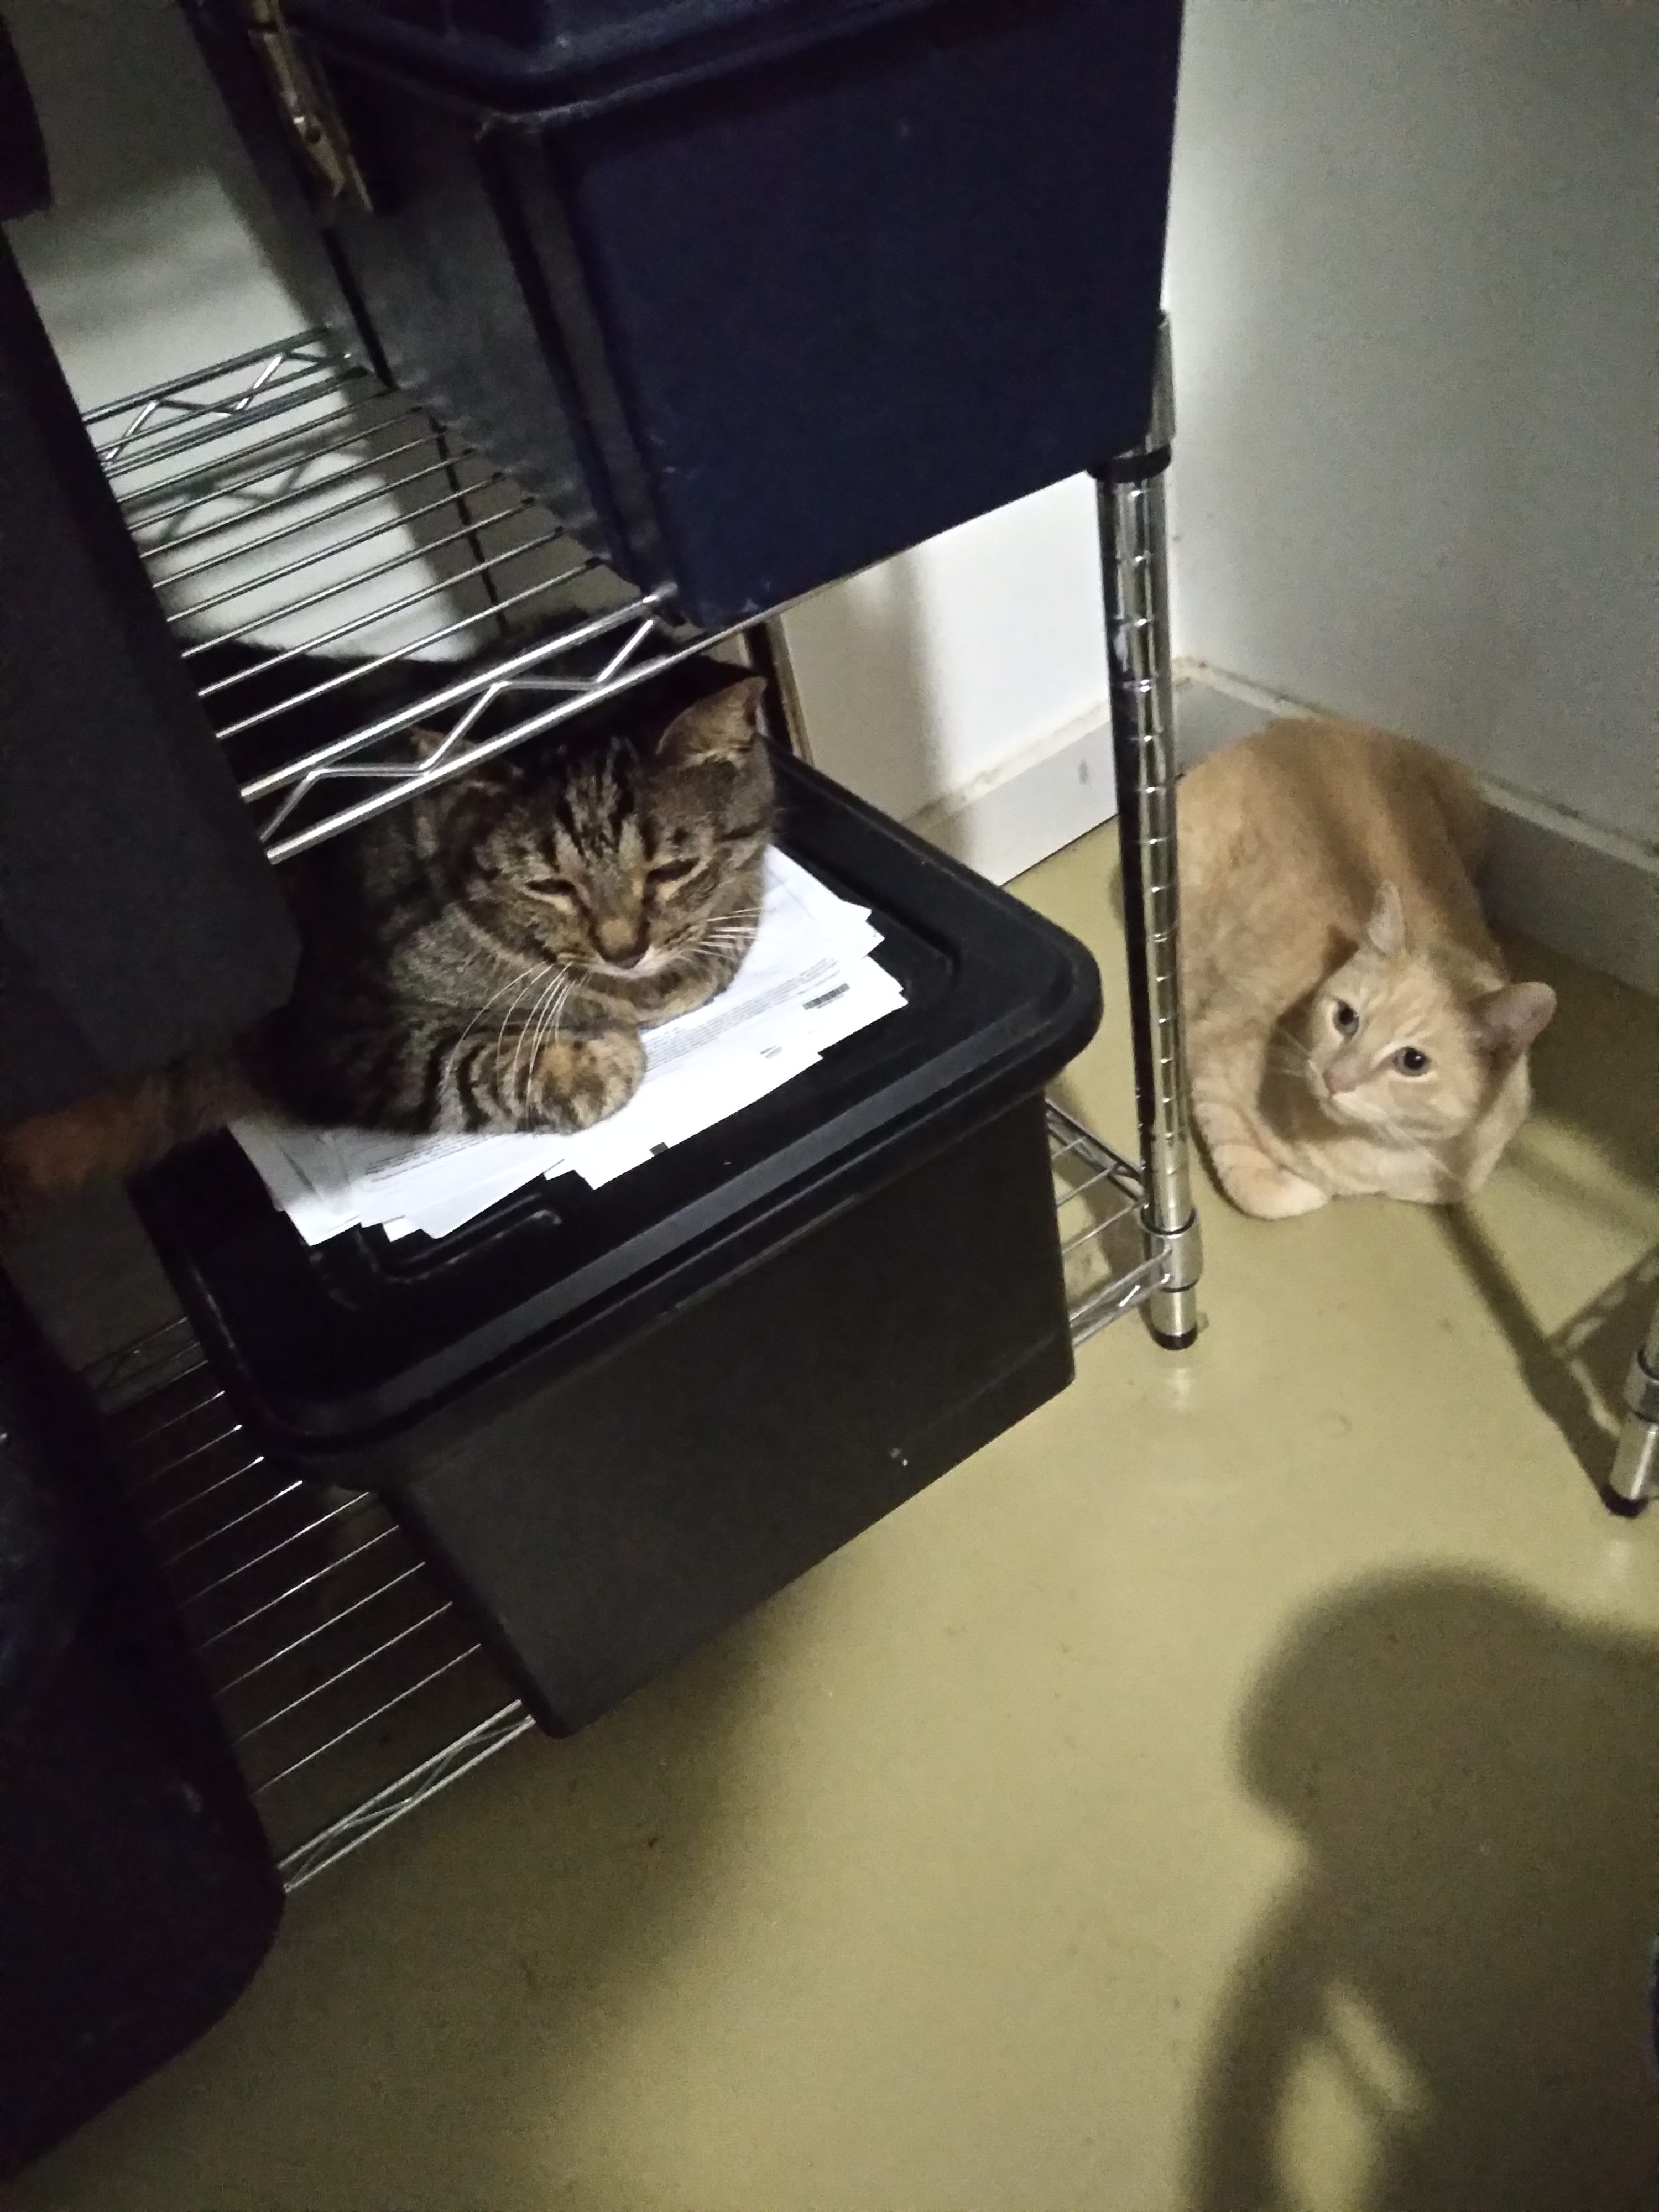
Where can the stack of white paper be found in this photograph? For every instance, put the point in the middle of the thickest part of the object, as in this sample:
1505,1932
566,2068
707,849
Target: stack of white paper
808,981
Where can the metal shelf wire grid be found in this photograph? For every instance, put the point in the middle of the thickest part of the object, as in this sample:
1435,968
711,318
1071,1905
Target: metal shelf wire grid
290,508
288,502
352,1688
1111,1266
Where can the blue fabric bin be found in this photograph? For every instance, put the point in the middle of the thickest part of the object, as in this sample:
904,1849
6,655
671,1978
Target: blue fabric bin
757,292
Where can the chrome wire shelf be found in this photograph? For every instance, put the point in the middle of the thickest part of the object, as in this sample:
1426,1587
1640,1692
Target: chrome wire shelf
352,1688
289,501
1110,1269
290,508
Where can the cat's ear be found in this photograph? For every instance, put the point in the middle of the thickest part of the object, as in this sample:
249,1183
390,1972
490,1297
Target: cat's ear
723,728
1385,932
1515,1017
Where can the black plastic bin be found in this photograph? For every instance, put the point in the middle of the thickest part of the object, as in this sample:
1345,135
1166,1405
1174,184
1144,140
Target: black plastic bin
755,291
618,1419
137,1893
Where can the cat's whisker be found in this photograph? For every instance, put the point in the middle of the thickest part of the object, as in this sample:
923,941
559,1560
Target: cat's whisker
509,1087
696,958
1391,1128
526,1031
526,984
524,1049
557,1001
518,1041
520,977
555,1011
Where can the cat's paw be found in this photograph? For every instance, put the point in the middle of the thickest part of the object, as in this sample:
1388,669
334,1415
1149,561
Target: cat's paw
1269,1193
579,1080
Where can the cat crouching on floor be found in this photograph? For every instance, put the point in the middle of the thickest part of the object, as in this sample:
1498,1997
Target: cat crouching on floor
1352,1028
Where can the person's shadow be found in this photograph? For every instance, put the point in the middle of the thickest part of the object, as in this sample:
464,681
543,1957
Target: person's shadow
1449,2009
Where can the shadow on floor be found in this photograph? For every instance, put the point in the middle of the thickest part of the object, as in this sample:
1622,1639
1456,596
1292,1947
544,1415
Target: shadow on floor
1595,1067
1457,1984
1576,1373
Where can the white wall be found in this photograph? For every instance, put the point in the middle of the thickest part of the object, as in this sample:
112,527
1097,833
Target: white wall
1410,280
924,673
963,685
157,256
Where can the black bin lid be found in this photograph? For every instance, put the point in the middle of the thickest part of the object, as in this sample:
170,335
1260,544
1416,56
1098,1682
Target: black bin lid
341,1347
566,58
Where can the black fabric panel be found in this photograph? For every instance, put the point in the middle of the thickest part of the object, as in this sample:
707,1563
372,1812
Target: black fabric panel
139,1892
138,917
43,1579
25,180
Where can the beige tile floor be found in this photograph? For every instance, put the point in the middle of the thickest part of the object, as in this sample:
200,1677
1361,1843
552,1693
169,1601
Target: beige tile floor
1233,1791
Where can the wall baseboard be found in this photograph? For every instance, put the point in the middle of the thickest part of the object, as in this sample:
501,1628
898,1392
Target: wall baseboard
1030,806
1550,875
1571,884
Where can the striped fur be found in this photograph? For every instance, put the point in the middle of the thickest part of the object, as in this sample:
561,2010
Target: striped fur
486,958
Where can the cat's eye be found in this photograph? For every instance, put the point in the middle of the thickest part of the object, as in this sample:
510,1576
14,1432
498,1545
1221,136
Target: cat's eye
1344,1017
1410,1061
548,886
672,871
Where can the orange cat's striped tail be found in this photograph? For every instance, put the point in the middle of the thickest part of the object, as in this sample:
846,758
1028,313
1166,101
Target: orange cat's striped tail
114,1133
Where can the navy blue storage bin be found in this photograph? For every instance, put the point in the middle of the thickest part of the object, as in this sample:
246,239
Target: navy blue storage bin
565,54
757,292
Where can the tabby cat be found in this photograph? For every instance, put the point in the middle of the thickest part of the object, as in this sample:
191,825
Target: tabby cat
485,957
1351,1027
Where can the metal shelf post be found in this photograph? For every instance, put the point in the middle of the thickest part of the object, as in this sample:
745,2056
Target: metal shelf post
1135,567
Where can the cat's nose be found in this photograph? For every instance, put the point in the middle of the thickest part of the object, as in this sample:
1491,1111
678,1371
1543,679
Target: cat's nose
1340,1080
623,944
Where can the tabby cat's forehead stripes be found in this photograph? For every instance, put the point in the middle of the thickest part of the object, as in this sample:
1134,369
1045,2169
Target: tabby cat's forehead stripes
621,789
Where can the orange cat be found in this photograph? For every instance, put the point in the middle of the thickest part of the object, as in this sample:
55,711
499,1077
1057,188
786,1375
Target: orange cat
1351,1028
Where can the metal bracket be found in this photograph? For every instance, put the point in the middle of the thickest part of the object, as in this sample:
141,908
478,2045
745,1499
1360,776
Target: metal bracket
1642,1391
1634,1480
307,105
